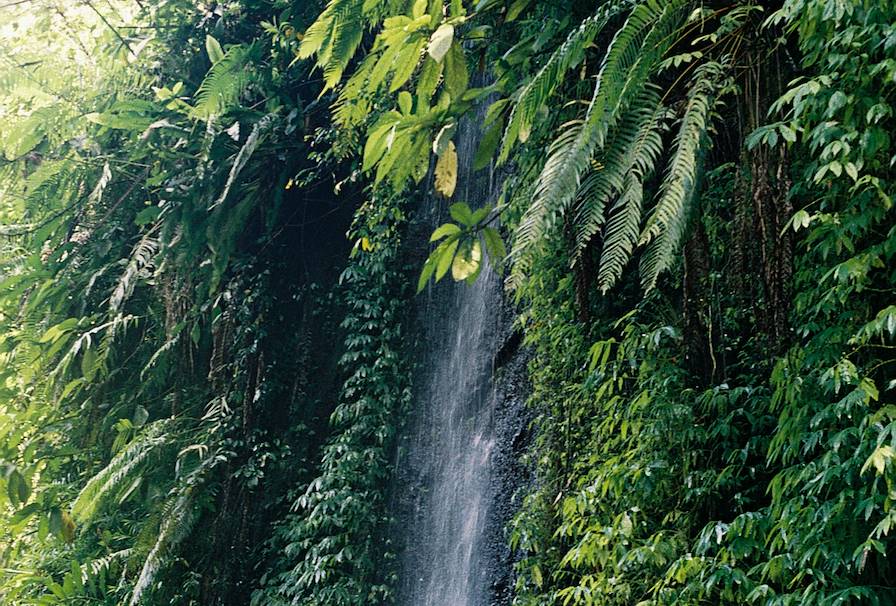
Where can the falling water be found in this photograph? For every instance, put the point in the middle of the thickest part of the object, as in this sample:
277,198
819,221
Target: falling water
448,455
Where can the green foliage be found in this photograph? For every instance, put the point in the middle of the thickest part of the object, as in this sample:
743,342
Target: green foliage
336,543
462,244
771,487
157,174
135,391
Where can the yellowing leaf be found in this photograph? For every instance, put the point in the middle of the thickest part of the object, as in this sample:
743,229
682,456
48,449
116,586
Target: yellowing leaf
536,575
67,529
879,459
441,41
467,261
446,171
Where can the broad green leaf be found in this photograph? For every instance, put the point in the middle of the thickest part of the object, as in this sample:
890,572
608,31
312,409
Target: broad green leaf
213,48
446,229
457,78
517,7
494,244
147,215
405,102
446,252
426,273
443,138
461,213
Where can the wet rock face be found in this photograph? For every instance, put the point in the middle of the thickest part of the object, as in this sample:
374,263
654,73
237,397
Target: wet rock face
457,466
509,477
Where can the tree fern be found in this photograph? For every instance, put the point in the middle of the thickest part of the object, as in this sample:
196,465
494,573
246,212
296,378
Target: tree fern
666,225
637,45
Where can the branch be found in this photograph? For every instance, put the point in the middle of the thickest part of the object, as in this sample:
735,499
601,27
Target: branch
110,26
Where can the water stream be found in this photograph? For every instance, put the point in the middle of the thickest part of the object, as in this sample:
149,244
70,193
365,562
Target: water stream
446,466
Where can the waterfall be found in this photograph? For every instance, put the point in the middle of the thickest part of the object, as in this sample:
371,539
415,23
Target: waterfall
454,461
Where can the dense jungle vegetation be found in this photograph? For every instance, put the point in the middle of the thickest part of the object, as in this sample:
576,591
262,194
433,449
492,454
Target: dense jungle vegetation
207,258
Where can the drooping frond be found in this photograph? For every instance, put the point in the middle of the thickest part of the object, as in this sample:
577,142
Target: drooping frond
141,259
532,97
631,147
224,83
667,223
119,469
637,45
242,157
178,519
621,230
621,233
334,37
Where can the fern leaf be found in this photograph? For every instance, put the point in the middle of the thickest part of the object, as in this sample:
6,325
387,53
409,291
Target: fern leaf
631,146
621,233
532,97
637,45
119,469
334,38
141,259
178,519
666,225
242,157
224,83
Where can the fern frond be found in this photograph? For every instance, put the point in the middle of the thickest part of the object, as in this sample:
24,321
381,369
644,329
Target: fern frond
334,38
532,97
621,233
224,83
242,157
119,469
178,518
100,566
533,226
631,147
140,260
637,46
667,223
